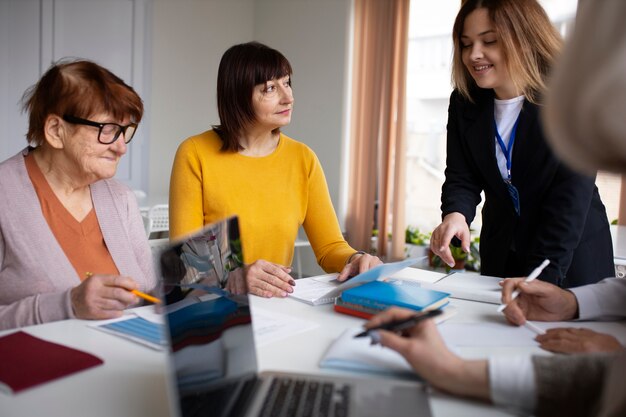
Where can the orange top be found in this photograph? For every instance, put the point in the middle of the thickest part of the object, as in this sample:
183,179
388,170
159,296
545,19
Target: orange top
82,242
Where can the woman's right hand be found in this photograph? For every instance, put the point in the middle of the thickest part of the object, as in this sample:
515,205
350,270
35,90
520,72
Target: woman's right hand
102,297
267,279
453,224
424,349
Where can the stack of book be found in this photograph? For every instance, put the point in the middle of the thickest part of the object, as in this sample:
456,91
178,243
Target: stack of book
373,297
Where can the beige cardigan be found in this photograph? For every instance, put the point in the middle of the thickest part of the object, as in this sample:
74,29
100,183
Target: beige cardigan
35,275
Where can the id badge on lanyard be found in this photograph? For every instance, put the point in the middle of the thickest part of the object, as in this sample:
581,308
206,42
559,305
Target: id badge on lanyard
508,155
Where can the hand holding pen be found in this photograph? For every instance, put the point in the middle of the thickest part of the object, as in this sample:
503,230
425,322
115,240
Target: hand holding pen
103,296
531,277
401,324
420,344
540,301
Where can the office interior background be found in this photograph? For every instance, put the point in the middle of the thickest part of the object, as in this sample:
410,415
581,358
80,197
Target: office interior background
169,52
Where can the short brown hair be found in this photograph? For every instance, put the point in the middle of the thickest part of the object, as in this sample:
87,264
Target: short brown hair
78,88
530,44
243,67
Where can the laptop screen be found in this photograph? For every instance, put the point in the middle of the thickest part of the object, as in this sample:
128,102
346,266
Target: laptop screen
211,341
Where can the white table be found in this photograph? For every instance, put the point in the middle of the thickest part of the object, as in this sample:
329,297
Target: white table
302,352
133,380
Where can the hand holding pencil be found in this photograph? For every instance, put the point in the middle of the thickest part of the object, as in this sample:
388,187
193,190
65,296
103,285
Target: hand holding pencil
103,296
138,293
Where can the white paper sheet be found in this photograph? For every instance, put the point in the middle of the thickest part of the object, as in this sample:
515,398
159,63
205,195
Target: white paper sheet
352,354
419,275
311,289
270,326
486,334
469,286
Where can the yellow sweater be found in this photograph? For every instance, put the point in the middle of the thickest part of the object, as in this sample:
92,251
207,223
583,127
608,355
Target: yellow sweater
272,195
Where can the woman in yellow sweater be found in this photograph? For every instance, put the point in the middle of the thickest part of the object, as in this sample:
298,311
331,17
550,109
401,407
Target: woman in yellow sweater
245,166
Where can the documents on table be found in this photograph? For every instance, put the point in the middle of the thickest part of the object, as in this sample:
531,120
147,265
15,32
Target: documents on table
324,289
147,330
419,275
314,289
348,353
358,354
466,286
270,326
486,334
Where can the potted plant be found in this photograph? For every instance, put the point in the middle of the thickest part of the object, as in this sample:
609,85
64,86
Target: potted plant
463,260
416,243
473,259
374,242
458,255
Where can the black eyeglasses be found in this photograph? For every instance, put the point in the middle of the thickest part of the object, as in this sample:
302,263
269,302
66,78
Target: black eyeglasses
108,132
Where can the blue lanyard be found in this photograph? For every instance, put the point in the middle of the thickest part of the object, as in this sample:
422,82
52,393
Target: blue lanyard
507,151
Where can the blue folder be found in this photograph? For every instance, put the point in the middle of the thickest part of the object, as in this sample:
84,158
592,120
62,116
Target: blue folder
382,294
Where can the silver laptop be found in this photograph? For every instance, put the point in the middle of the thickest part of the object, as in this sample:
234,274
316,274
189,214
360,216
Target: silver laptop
212,352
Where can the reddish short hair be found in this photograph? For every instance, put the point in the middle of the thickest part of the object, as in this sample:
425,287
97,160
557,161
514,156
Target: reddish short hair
79,88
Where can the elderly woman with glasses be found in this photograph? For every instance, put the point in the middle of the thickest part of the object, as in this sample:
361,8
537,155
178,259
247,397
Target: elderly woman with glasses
72,242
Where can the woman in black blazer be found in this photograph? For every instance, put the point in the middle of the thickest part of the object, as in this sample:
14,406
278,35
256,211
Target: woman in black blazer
535,207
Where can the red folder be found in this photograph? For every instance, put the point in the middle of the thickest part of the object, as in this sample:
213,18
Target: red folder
27,361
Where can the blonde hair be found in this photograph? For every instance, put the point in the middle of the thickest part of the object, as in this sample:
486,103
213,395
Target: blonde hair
530,44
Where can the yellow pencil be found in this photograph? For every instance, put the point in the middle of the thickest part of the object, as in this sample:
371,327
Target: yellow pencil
146,297
138,293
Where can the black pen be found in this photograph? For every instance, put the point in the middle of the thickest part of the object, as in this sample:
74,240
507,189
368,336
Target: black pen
399,325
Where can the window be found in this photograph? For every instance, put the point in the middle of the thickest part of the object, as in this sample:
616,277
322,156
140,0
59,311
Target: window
428,91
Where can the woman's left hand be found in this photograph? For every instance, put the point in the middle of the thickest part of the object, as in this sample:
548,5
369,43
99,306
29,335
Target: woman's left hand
358,264
569,340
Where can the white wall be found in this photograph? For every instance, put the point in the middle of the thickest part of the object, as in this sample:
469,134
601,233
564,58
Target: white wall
188,39
313,36
19,68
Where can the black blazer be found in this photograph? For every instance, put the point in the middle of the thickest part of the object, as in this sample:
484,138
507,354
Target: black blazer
561,215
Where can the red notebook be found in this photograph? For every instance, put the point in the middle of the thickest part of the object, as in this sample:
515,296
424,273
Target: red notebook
354,309
28,361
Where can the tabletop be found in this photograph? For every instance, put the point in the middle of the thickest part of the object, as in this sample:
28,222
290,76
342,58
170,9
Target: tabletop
134,379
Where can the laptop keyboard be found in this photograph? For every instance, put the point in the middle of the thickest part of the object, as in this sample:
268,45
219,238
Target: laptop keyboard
289,397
